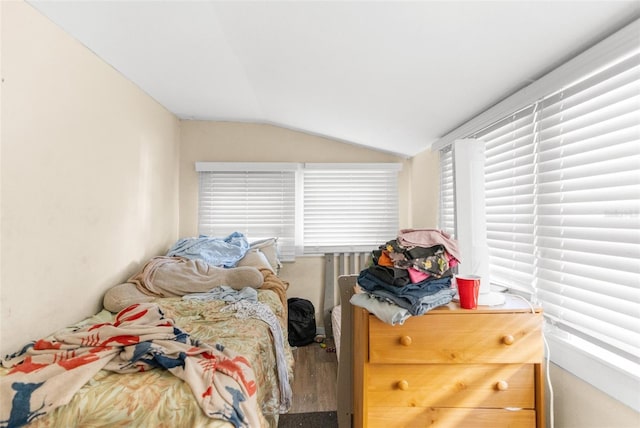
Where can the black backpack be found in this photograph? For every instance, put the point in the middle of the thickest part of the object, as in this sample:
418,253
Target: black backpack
302,321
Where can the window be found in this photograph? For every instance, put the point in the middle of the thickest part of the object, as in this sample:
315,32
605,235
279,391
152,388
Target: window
311,208
562,182
447,206
257,200
588,200
562,202
509,199
349,207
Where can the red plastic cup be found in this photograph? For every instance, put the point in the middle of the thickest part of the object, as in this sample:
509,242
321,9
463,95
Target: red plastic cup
468,289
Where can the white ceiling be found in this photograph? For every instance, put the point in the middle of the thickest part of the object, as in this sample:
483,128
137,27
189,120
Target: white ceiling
390,75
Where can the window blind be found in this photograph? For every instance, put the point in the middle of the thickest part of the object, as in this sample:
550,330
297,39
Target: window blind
588,202
349,209
446,218
562,183
509,198
259,204
311,208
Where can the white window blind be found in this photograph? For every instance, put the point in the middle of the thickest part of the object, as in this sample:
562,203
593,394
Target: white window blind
562,182
349,209
588,202
311,208
259,204
509,199
446,218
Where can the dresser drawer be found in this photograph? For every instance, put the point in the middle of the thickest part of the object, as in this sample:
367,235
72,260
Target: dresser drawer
458,338
416,417
451,385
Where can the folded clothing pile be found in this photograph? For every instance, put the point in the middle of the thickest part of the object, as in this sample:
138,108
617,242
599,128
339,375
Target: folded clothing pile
413,271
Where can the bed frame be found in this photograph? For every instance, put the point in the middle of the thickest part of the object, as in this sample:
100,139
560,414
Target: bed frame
346,283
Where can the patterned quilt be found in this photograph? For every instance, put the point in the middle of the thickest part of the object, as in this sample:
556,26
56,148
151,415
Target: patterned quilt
161,398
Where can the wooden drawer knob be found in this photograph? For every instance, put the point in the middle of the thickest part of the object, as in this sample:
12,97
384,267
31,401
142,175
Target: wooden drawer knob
508,339
403,385
502,385
405,340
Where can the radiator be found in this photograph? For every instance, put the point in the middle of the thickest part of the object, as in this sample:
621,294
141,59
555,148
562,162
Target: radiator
337,264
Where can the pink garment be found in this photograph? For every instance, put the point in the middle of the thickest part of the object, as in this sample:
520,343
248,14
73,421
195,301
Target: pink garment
416,276
453,262
411,238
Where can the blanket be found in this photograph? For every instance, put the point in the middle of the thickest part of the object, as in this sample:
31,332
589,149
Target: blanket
223,252
176,276
248,309
47,373
273,282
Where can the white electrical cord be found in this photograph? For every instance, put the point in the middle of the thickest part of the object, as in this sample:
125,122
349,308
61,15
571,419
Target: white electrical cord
549,381
547,359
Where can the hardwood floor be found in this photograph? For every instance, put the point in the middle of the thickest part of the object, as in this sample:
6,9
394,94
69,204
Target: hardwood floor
314,379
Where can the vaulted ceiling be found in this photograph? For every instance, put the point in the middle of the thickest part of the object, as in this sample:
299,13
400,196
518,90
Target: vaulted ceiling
390,75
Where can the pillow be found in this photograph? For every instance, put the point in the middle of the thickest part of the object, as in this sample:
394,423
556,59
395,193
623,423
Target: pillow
255,258
269,247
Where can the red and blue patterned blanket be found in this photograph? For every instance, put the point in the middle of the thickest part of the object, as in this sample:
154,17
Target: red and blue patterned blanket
45,374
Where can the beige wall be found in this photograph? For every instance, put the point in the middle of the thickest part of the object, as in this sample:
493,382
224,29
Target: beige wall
425,188
89,178
247,142
577,404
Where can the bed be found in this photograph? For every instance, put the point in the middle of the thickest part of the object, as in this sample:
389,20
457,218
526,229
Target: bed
161,398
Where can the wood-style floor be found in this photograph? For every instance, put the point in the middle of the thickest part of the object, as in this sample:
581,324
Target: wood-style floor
314,379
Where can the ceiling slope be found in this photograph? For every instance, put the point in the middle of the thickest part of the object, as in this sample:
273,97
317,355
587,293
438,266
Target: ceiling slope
393,76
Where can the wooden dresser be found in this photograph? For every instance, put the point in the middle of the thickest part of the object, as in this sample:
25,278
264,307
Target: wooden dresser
450,368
